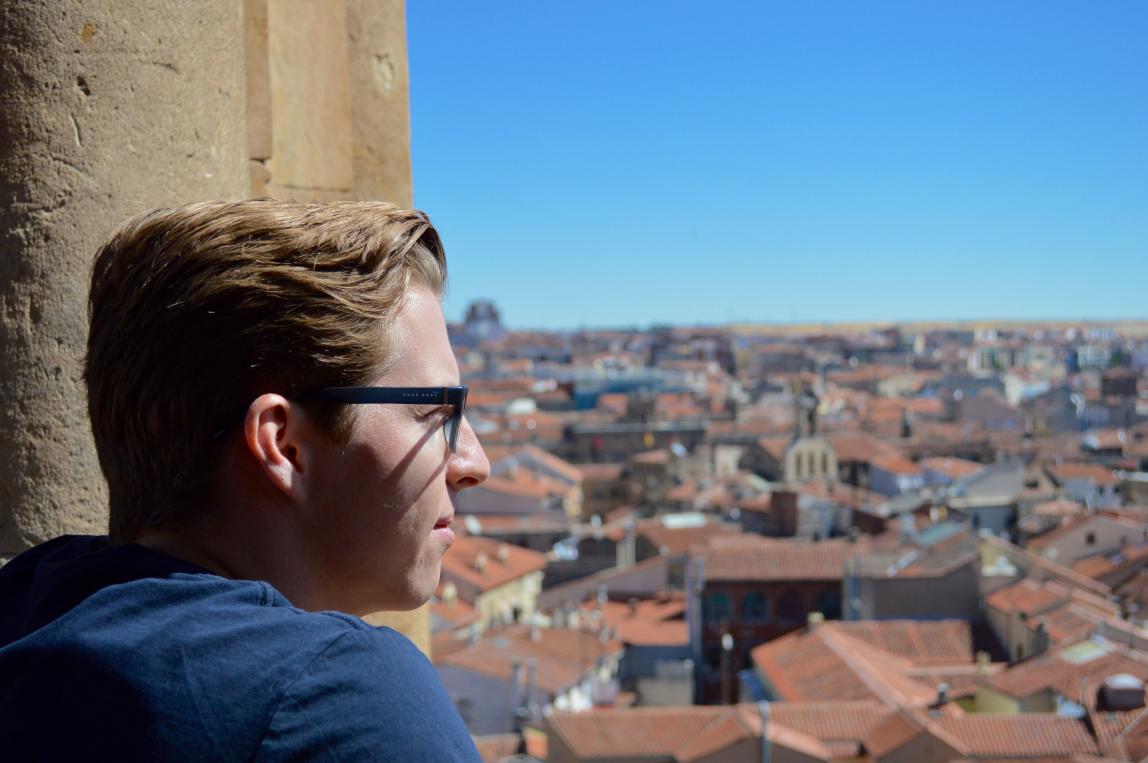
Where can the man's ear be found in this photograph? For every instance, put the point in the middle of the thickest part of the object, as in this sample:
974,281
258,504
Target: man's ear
273,431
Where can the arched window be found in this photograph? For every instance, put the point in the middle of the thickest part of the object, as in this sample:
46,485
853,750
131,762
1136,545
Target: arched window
718,608
755,608
791,606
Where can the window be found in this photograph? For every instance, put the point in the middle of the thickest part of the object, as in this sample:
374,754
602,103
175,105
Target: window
718,608
1090,539
824,464
755,608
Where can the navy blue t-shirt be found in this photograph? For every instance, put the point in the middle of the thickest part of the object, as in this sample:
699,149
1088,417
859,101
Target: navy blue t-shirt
122,653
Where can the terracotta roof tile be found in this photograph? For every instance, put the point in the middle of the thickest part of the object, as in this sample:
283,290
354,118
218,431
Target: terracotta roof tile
1132,743
487,564
1125,560
835,721
861,447
1108,725
895,465
645,732
1055,672
1100,475
1022,735
678,541
1028,596
649,622
893,732
723,733
559,466
759,559
680,734
564,656
867,660
953,468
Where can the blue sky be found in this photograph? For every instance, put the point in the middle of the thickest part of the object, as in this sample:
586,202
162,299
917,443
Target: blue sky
627,163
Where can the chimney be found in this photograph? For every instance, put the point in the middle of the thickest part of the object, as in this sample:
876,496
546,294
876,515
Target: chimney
503,552
627,551
941,700
480,561
1040,639
1121,692
984,662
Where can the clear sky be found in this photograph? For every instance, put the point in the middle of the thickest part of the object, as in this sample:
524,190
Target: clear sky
621,163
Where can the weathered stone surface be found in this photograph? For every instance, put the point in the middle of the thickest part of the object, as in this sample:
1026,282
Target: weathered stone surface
380,96
106,109
310,101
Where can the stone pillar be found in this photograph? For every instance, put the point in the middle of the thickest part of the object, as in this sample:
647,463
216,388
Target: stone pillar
107,108
380,111
328,115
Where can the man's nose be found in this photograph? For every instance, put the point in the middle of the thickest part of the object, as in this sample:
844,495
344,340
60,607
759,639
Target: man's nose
468,465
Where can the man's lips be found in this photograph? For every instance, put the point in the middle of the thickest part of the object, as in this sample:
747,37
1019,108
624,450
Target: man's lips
443,532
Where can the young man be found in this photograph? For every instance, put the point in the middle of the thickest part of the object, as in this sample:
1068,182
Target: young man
277,412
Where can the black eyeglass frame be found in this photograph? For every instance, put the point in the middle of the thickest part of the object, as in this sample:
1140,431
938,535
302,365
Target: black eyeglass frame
453,396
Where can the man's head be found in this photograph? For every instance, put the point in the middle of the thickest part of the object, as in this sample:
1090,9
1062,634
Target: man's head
212,320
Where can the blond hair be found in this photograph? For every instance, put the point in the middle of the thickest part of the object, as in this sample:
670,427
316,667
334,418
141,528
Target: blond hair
196,311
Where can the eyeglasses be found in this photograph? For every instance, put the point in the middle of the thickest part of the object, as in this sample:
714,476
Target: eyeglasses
453,396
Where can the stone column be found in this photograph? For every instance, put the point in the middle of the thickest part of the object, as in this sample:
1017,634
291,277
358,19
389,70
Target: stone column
107,108
380,110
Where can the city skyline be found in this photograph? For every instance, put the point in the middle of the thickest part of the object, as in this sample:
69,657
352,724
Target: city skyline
604,166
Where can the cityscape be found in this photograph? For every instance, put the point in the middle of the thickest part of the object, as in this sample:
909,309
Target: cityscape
807,543
804,343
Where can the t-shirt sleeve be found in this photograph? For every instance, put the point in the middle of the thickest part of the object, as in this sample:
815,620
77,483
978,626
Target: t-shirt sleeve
370,695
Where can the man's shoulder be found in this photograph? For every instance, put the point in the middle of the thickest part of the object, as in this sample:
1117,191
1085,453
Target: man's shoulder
370,694
215,663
